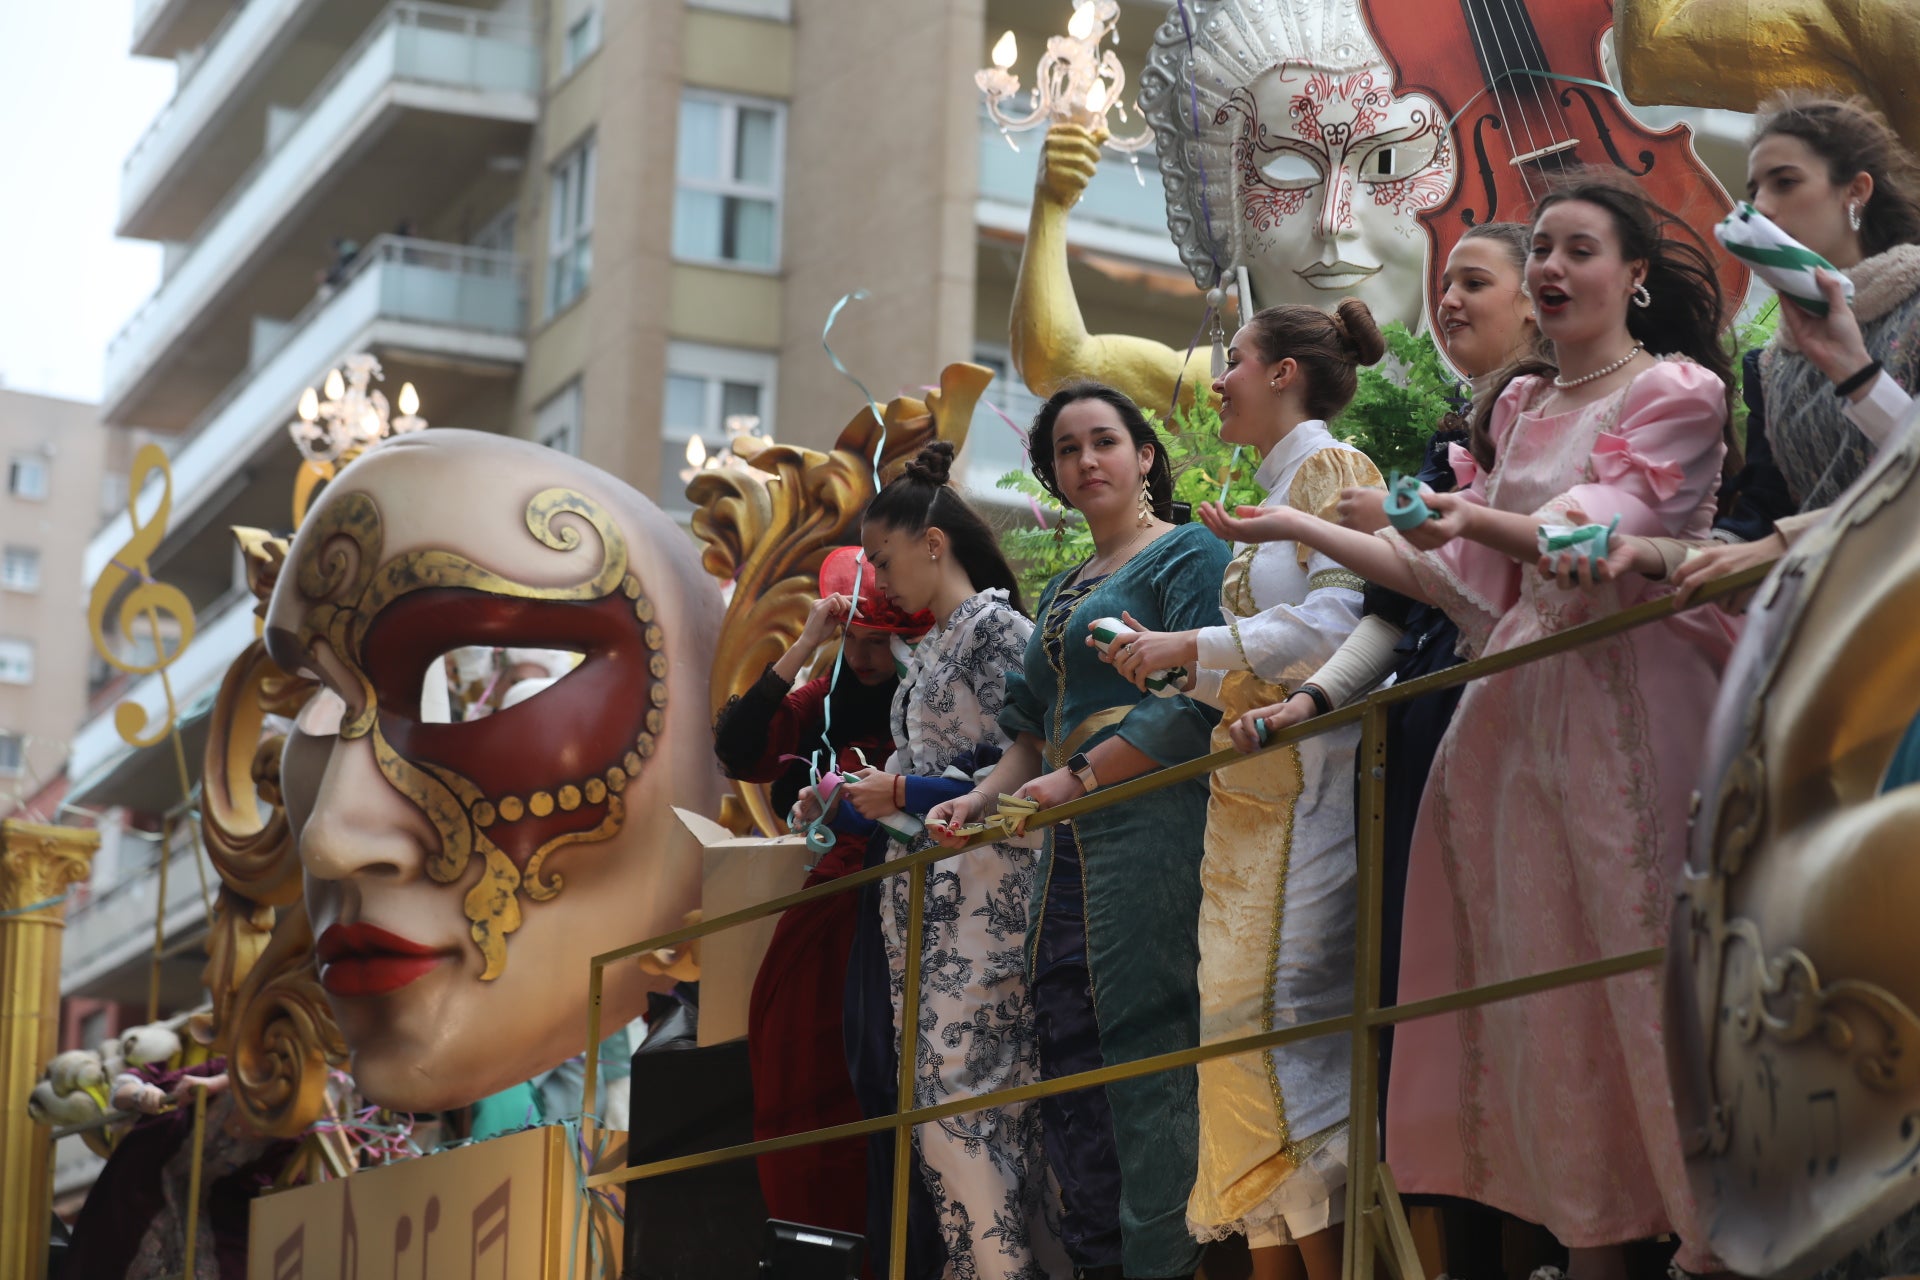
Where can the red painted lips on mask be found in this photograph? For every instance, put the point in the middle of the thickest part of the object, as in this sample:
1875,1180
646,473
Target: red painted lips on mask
366,960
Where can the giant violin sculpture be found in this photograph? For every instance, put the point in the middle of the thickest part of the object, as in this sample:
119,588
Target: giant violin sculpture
1521,79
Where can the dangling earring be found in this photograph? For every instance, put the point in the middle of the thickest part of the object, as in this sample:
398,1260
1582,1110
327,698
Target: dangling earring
1641,298
1146,504
1853,214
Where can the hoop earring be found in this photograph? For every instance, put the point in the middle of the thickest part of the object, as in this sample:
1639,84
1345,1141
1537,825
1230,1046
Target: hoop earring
1146,504
1641,298
1853,215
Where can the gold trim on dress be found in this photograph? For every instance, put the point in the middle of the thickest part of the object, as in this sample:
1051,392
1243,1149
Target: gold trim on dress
1336,578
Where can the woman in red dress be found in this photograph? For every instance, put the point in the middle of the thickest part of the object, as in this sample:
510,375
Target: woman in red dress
794,1030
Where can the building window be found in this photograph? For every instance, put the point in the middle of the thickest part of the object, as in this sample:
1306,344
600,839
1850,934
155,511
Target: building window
27,477
779,10
20,569
556,423
16,661
570,227
13,755
582,38
727,203
705,387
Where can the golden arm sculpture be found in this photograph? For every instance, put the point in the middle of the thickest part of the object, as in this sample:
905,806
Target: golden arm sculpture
1733,53
1051,345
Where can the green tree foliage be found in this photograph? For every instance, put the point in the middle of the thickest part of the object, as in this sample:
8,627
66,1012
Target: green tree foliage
1399,402
1756,332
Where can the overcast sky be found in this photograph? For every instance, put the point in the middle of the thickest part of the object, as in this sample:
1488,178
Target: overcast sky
72,104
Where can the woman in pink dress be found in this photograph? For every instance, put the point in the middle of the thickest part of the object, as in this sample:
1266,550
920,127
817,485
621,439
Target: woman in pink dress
1555,817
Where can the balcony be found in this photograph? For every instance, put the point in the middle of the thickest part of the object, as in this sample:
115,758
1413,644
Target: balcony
108,949
416,110
446,317
167,28
1119,214
263,53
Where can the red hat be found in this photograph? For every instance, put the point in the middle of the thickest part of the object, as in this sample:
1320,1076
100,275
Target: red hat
872,610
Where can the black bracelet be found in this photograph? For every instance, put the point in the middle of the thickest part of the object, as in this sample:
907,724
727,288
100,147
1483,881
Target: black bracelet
1858,380
1321,703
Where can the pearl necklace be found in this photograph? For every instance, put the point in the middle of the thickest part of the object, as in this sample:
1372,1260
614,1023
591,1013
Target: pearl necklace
1564,384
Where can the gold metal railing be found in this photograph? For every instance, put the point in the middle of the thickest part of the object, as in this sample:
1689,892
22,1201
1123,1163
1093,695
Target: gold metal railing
1374,1219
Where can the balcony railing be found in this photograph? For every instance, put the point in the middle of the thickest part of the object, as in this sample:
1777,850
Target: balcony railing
115,927
453,300
414,43
205,85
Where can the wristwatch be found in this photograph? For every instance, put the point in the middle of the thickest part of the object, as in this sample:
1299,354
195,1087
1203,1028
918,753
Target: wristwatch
1082,768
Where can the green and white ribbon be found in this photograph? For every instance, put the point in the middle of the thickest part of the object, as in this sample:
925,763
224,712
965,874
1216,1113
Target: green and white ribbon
1777,258
1108,632
1588,541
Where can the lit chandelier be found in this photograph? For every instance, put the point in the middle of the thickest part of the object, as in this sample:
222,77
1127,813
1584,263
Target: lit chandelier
743,442
354,416
1076,82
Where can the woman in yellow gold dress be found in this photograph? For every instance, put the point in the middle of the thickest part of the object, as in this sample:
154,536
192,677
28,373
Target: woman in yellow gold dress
1277,915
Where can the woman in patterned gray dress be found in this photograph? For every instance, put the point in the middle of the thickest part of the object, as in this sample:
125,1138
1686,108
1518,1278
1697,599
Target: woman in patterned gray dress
984,1169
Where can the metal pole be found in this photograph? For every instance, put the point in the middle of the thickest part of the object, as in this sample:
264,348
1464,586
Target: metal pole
1363,1105
193,1172
909,1045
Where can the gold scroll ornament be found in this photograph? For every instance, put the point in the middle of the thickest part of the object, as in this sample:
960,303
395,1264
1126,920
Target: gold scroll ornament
1794,968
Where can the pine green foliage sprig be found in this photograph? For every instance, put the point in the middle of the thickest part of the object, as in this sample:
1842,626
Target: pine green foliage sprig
1748,334
1399,402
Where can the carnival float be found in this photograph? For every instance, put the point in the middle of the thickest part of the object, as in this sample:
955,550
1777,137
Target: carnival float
527,844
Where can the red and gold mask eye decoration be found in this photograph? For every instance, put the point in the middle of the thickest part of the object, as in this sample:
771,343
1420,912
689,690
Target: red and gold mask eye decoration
528,779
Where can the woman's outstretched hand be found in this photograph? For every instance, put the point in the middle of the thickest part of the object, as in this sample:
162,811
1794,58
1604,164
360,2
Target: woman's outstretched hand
1278,716
1832,342
1452,518
1151,651
1718,562
1573,571
1050,789
1250,524
945,819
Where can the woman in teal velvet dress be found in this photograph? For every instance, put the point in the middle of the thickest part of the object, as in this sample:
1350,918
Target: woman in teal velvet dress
1114,924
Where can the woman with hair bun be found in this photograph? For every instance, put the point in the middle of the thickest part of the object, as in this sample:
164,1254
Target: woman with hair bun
982,1169
1277,916
1111,944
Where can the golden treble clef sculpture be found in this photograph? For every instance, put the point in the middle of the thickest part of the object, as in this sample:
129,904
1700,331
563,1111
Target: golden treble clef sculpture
144,601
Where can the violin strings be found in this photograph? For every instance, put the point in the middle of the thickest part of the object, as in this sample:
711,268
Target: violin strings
1517,48
1526,40
1495,86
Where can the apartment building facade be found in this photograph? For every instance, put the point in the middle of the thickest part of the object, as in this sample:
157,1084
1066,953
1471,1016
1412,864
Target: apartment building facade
54,453
604,225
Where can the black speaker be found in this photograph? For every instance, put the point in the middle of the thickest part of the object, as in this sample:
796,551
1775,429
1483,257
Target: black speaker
796,1252
706,1223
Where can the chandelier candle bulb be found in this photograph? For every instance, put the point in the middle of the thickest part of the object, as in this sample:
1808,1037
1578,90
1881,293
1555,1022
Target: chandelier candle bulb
1076,81
1108,632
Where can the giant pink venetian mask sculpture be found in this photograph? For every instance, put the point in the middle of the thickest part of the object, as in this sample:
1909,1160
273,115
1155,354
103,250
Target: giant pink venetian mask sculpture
460,876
